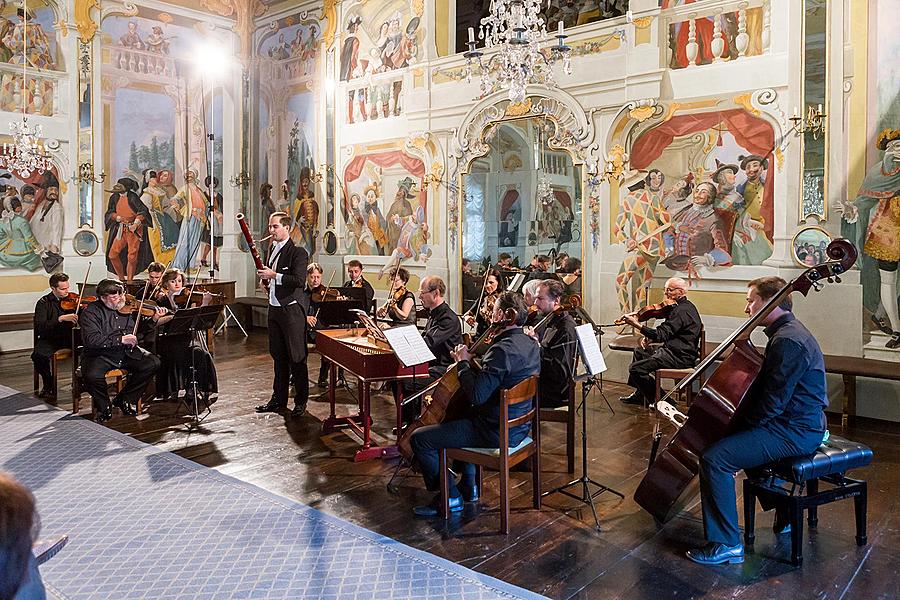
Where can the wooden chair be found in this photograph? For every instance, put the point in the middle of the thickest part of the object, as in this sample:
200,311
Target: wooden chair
61,354
564,414
494,458
116,375
677,375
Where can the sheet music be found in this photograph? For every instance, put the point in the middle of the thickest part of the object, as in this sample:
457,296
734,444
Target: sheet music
591,355
409,345
370,325
516,282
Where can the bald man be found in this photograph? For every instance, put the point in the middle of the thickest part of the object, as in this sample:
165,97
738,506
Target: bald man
679,336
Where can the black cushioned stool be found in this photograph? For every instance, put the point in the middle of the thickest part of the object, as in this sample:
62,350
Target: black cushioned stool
828,464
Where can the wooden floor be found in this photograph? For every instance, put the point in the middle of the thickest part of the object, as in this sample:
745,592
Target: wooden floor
556,551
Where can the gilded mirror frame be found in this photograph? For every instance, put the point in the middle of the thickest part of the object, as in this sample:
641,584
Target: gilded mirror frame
573,133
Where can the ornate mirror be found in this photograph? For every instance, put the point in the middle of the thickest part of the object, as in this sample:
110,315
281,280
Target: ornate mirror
521,193
85,242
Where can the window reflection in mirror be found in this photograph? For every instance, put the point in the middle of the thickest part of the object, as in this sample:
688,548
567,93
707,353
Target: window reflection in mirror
522,209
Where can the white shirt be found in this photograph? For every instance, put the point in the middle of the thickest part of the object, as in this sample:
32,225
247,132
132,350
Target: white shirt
273,260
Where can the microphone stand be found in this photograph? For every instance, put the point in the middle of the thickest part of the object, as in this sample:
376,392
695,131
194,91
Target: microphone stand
588,381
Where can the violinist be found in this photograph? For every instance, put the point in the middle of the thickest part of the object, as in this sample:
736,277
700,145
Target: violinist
52,329
480,316
356,280
529,292
315,293
783,416
178,353
110,343
155,273
400,308
511,358
679,335
556,336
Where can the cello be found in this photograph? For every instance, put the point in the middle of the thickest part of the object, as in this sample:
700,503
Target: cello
671,480
443,400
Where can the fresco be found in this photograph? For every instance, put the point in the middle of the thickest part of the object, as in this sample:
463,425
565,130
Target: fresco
32,220
700,197
159,110
379,38
292,46
704,34
385,206
41,54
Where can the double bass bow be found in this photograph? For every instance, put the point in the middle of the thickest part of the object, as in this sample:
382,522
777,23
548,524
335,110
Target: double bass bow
670,481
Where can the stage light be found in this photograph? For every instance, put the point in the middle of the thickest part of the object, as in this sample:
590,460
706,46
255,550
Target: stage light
212,59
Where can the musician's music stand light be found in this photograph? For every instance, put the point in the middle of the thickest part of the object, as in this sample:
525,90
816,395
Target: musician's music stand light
590,351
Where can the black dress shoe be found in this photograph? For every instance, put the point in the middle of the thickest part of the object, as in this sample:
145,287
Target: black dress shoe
634,398
46,393
717,554
469,492
299,410
103,416
322,383
432,510
782,522
270,407
124,406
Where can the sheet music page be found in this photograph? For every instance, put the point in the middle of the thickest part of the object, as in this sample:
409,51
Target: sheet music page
591,355
516,282
409,345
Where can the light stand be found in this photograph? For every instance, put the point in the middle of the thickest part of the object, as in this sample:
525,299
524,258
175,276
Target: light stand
211,189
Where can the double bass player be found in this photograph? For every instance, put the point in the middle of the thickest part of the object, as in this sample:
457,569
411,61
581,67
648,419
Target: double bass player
783,416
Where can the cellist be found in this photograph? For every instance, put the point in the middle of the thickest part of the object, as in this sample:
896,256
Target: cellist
679,334
783,416
512,357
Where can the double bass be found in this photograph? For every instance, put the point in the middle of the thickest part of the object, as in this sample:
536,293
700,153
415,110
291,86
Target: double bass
671,480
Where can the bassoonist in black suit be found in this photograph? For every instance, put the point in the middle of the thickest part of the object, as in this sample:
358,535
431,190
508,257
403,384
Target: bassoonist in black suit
285,269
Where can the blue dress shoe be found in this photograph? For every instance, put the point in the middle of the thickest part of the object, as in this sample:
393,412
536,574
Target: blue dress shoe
469,492
717,554
432,510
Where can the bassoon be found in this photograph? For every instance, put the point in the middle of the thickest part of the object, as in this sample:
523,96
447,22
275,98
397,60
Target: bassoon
245,229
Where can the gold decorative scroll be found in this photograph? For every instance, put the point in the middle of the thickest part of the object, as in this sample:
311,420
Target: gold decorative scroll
83,21
329,13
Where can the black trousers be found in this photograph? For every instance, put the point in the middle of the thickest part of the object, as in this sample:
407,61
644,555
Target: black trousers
43,352
644,365
287,346
138,363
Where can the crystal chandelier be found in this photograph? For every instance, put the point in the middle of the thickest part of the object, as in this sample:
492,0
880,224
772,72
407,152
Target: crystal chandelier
26,154
515,29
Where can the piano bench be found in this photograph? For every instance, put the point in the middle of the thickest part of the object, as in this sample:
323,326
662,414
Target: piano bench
827,464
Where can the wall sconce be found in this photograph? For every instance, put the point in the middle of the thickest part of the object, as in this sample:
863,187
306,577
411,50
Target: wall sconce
317,175
242,179
813,122
86,174
433,179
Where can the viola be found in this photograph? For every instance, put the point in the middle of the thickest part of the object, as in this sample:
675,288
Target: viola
73,301
667,485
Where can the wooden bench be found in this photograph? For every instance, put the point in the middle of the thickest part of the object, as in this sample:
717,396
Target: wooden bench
848,367
851,367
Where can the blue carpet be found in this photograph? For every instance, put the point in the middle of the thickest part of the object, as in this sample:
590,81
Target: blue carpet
144,523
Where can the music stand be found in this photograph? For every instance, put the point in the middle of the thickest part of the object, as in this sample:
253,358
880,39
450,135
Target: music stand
193,321
593,361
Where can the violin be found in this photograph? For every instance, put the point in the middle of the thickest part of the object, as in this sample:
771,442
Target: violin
132,305
185,297
661,310
392,302
325,294
74,301
533,316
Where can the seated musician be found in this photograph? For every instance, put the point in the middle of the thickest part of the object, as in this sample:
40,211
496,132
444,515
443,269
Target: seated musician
109,343
538,268
556,336
313,292
571,276
53,330
471,288
356,280
155,272
530,292
679,335
782,417
443,333
480,316
401,308
511,358
178,353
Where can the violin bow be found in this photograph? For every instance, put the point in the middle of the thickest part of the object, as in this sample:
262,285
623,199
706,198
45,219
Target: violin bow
81,291
137,318
393,280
